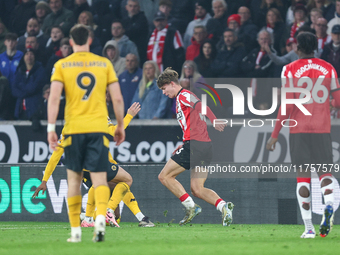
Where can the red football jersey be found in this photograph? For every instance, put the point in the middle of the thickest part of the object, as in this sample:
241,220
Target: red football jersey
320,78
189,117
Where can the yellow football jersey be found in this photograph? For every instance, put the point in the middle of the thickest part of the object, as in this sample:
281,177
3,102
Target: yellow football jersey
85,77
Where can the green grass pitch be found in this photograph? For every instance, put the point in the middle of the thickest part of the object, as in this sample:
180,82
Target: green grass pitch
50,238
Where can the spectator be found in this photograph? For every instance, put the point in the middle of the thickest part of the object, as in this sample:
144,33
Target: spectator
331,52
321,35
41,112
40,53
154,105
276,26
53,43
216,25
149,7
6,10
80,6
96,46
200,34
290,11
326,6
129,79
165,45
3,32
205,58
315,13
136,27
59,16
125,45
165,6
21,14
190,76
260,16
32,29
300,18
183,11
234,22
248,30
27,87
102,17
5,95
64,51
111,51
336,18
201,18
229,56
10,58
257,63
42,9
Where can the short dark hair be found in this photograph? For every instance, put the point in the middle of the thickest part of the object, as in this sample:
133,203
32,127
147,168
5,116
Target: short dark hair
166,77
165,2
11,36
79,34
307,43
65,41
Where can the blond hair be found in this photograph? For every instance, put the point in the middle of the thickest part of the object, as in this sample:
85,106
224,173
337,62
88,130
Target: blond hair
144,80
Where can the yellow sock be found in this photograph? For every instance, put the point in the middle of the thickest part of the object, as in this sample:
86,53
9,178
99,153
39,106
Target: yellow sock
131,202
117,195
91,205
101,195
74,209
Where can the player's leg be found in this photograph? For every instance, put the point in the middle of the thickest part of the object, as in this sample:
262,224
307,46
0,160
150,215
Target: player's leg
96,161
168,178
74,204
198,179
304,198
101,195
324,156
131,202
90,209
124,181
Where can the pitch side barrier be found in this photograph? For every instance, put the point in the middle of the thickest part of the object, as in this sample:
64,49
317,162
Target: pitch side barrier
154,141
262,200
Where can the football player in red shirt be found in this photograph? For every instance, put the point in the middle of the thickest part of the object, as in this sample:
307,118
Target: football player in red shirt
310,140
195,153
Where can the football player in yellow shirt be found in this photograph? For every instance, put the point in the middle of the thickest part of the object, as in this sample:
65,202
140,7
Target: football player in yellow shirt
85,77
116,175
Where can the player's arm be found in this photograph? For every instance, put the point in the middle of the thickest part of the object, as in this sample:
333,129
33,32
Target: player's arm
52,112
211,116
118,107
131,113
50,167
335,90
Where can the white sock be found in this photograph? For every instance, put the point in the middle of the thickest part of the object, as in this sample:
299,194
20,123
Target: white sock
140,216
76,231
188,203
329,198
220,205
306,214
100,223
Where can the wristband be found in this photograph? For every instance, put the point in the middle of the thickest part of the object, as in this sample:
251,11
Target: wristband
50,127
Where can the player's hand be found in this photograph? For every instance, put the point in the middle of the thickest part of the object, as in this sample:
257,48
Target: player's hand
134,109
119,135
42,187
52,139
220,127
178,147
271,143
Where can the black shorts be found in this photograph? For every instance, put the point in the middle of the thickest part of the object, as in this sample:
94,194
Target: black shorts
193,153
310,148
87,151
111,174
